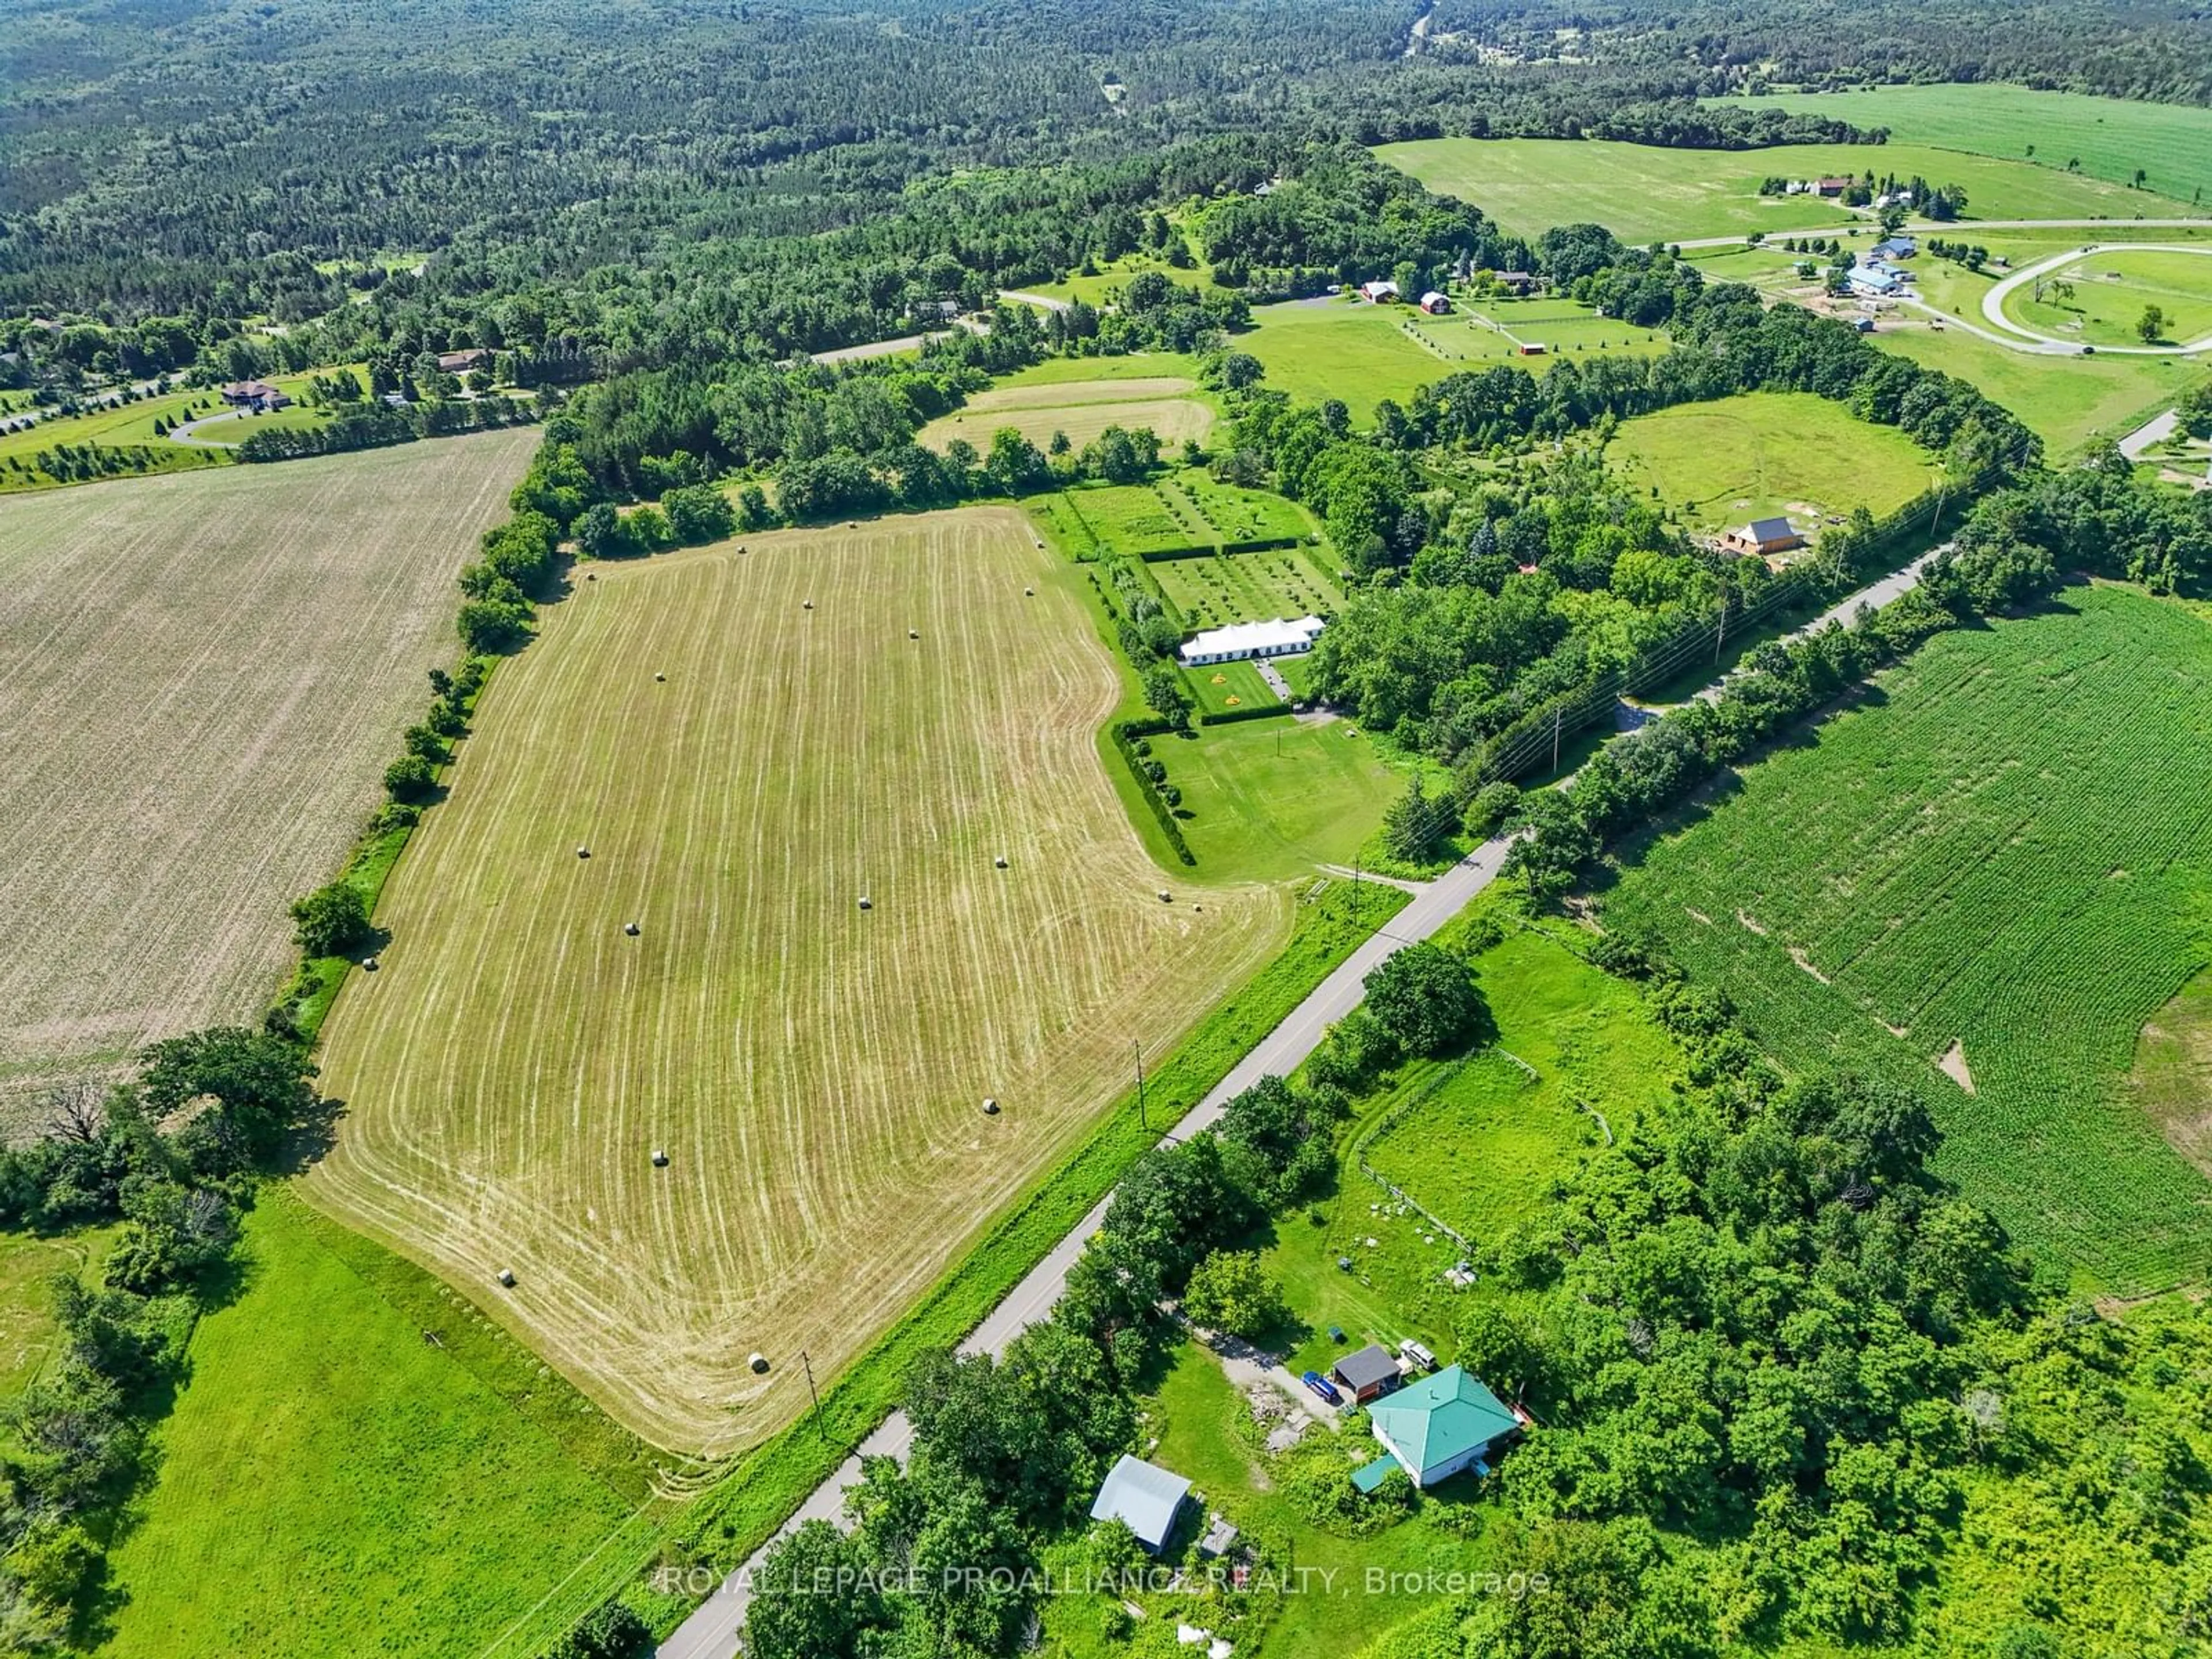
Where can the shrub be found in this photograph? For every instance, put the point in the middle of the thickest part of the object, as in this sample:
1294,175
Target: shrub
1425,998
1230,1291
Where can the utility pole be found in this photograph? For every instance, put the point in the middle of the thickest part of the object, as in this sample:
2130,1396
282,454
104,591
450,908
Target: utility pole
1142,1123
813,1395
1558,725
1720,637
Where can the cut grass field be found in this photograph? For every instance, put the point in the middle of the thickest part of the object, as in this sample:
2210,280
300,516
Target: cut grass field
2111,288
202,679
1767,452
1187,508
1359,353
2005,848
1081,408
1643,192
332,1481
814,1071
2110,138
1269,800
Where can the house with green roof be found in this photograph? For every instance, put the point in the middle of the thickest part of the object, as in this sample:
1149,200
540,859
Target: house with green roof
1442,1424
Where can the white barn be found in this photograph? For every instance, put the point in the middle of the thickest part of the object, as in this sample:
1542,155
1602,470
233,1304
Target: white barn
1240,641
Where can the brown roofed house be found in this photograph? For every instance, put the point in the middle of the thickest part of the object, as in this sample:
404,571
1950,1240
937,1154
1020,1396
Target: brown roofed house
257,395
460,362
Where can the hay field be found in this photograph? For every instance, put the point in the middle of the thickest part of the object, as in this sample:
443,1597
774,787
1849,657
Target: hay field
202,678
815,1072
1082,408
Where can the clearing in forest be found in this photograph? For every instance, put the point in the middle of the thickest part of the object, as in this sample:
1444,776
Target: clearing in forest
1642,193
1767,452
814,1071
202,679
2008,846
1167,404
2108,139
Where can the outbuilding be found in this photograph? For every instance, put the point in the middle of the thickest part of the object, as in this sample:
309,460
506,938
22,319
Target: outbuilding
1144,1497
1763,537
1240,640
1436,304
1379,293
1367,1373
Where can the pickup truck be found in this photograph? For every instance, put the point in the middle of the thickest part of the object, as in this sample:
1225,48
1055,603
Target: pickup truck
1322,1386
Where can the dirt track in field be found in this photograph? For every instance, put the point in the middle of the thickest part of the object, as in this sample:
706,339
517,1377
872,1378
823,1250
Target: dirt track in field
202,676
814,1071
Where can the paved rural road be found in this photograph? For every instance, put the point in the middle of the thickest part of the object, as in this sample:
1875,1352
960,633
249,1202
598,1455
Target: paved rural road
711,1631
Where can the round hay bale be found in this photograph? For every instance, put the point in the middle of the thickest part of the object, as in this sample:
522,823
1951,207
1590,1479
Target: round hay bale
867,903
914,633
369,964
583,852
1166,897
807,605
659,1158
990,1106
1000,860
1028,593
757,1364
506,1277
659,677
630,927
590,575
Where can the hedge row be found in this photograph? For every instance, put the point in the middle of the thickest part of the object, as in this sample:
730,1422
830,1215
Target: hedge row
1254,712
1126,734
1262,544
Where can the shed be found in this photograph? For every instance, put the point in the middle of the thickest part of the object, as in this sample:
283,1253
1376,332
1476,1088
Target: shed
1367,1373
1436,304
1442,1425
1379,293
1763,537
1146,1497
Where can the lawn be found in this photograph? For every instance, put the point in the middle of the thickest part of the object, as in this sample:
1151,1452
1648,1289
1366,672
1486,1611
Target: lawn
1481,331
1231,688
1227,587
2111,288
1079,408
1120,519
1316,349
2000,858
1643,193
2066,401
202,680
2110,138
340,1477
1269,800
1231,512
1720,463
27,1331
813,1070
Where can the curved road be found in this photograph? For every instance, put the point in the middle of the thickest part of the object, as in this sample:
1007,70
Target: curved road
1993,301
1930,227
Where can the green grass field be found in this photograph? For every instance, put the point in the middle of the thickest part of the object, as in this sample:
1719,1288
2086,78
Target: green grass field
1230,587
332,1481
1268,801
1079,407
1721,463
2111,288
1226,687
1478,1144
1643,193
814,1071
2005,848
1316,349
1120,519
27,1331
2110,138
1229,512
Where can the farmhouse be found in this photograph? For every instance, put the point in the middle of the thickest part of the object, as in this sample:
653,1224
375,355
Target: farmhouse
1239,640
1832,186
1442,1425
1520,282
257,395
1435,304
1380,292
461,363
1368,1374
1763,537
1145,1497
1876,281
1895,247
